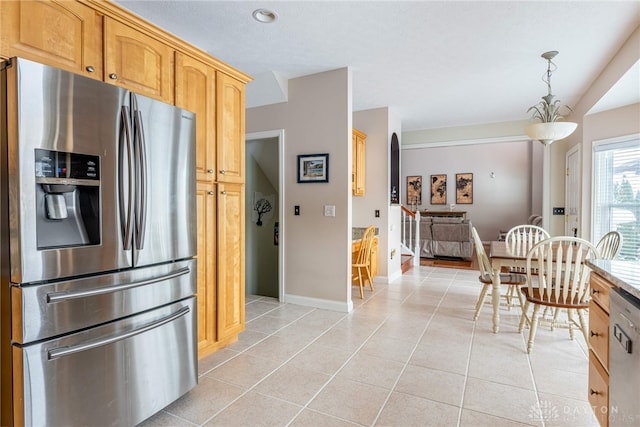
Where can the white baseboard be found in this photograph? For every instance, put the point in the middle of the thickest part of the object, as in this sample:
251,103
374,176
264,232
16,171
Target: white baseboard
341,306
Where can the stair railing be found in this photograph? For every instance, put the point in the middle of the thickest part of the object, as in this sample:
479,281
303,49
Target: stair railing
410,237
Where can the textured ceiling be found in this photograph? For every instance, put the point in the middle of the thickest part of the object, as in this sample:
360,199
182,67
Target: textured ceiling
434,63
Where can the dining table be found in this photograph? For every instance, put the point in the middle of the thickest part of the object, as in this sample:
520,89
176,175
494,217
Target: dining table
502,254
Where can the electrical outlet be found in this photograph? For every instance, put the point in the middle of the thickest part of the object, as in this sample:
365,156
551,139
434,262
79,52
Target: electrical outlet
329,210
558,211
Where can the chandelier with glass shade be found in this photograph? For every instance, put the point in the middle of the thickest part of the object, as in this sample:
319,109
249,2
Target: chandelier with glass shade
549,126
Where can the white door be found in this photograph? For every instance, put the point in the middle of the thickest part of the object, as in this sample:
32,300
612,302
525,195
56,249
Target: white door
572,193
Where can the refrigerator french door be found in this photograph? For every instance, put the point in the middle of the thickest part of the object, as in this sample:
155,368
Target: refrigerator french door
98,231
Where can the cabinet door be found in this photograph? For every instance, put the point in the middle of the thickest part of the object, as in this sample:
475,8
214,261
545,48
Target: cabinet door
358,154
230,128
206,261
63,34
230,260
137,62
195,91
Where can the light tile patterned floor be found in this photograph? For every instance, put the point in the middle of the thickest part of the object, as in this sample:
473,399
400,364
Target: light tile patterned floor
408,355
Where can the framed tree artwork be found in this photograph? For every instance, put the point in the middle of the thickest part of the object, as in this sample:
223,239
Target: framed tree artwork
439,189
464,188
414,190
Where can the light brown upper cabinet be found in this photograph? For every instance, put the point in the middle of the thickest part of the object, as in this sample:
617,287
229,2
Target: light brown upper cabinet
195,91
63,34
358,140
138,62
230,128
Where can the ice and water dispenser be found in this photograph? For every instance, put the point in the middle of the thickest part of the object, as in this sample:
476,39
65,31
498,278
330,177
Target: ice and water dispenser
67,199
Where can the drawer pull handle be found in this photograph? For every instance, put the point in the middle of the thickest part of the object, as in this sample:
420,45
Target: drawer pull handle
222,172
594,334
113,76
595,291
593,392
90,69
211,193
209,170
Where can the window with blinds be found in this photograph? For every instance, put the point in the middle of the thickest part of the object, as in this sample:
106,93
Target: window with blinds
616,192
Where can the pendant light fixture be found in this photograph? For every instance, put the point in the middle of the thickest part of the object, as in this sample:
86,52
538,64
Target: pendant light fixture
547,112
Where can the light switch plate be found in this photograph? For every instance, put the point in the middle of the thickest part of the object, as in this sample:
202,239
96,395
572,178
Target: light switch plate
329,210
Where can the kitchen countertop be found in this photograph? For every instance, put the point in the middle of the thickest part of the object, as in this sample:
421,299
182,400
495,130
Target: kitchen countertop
623,274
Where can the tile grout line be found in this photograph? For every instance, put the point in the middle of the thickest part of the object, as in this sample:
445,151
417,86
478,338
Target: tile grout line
424,330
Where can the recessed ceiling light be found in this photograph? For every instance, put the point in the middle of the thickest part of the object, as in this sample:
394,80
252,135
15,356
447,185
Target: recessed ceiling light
265,16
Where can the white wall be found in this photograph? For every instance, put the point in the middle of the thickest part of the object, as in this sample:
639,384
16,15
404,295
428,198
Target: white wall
607,124
317,251
499,202
379,124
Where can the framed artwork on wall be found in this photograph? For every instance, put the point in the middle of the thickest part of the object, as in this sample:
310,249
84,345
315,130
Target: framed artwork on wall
439,189
313,168
464,188
414,190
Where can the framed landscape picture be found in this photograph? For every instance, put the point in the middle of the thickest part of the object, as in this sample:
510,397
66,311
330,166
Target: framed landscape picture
439,189
464,188
313,168
414,190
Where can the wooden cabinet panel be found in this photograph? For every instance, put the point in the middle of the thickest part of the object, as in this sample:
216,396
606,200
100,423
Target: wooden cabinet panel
230,128
599,347
138,62
195,91
600,291
206,262
599,391
599,333
230,259
64,34
358,140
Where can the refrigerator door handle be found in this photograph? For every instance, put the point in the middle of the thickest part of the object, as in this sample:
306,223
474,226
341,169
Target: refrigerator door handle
67,351
126,217
141,214
62,296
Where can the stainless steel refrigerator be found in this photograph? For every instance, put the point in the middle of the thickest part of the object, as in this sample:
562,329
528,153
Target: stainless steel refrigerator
98,237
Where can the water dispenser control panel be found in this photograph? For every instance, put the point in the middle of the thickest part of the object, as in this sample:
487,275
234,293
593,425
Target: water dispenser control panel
67,199
67,166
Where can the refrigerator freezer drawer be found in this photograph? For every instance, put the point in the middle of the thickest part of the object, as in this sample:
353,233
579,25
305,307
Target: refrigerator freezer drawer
116,374
52,309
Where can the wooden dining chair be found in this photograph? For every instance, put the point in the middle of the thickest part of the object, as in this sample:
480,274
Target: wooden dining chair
522,237
610,245
362,262
487,276
561,282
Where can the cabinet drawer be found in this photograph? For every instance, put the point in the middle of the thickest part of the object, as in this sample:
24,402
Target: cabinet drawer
598,390
600,291
599,333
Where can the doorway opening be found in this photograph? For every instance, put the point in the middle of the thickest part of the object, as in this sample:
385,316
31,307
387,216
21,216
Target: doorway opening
264,215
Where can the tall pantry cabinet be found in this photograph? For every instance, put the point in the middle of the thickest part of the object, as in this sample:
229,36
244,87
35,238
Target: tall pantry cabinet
101,40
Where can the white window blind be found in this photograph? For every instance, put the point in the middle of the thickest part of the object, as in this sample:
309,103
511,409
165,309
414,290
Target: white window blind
616,195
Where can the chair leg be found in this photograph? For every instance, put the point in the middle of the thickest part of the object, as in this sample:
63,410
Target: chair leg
360,283
369,277
523,318
523,305
571,322
534,326
584,326
481,298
